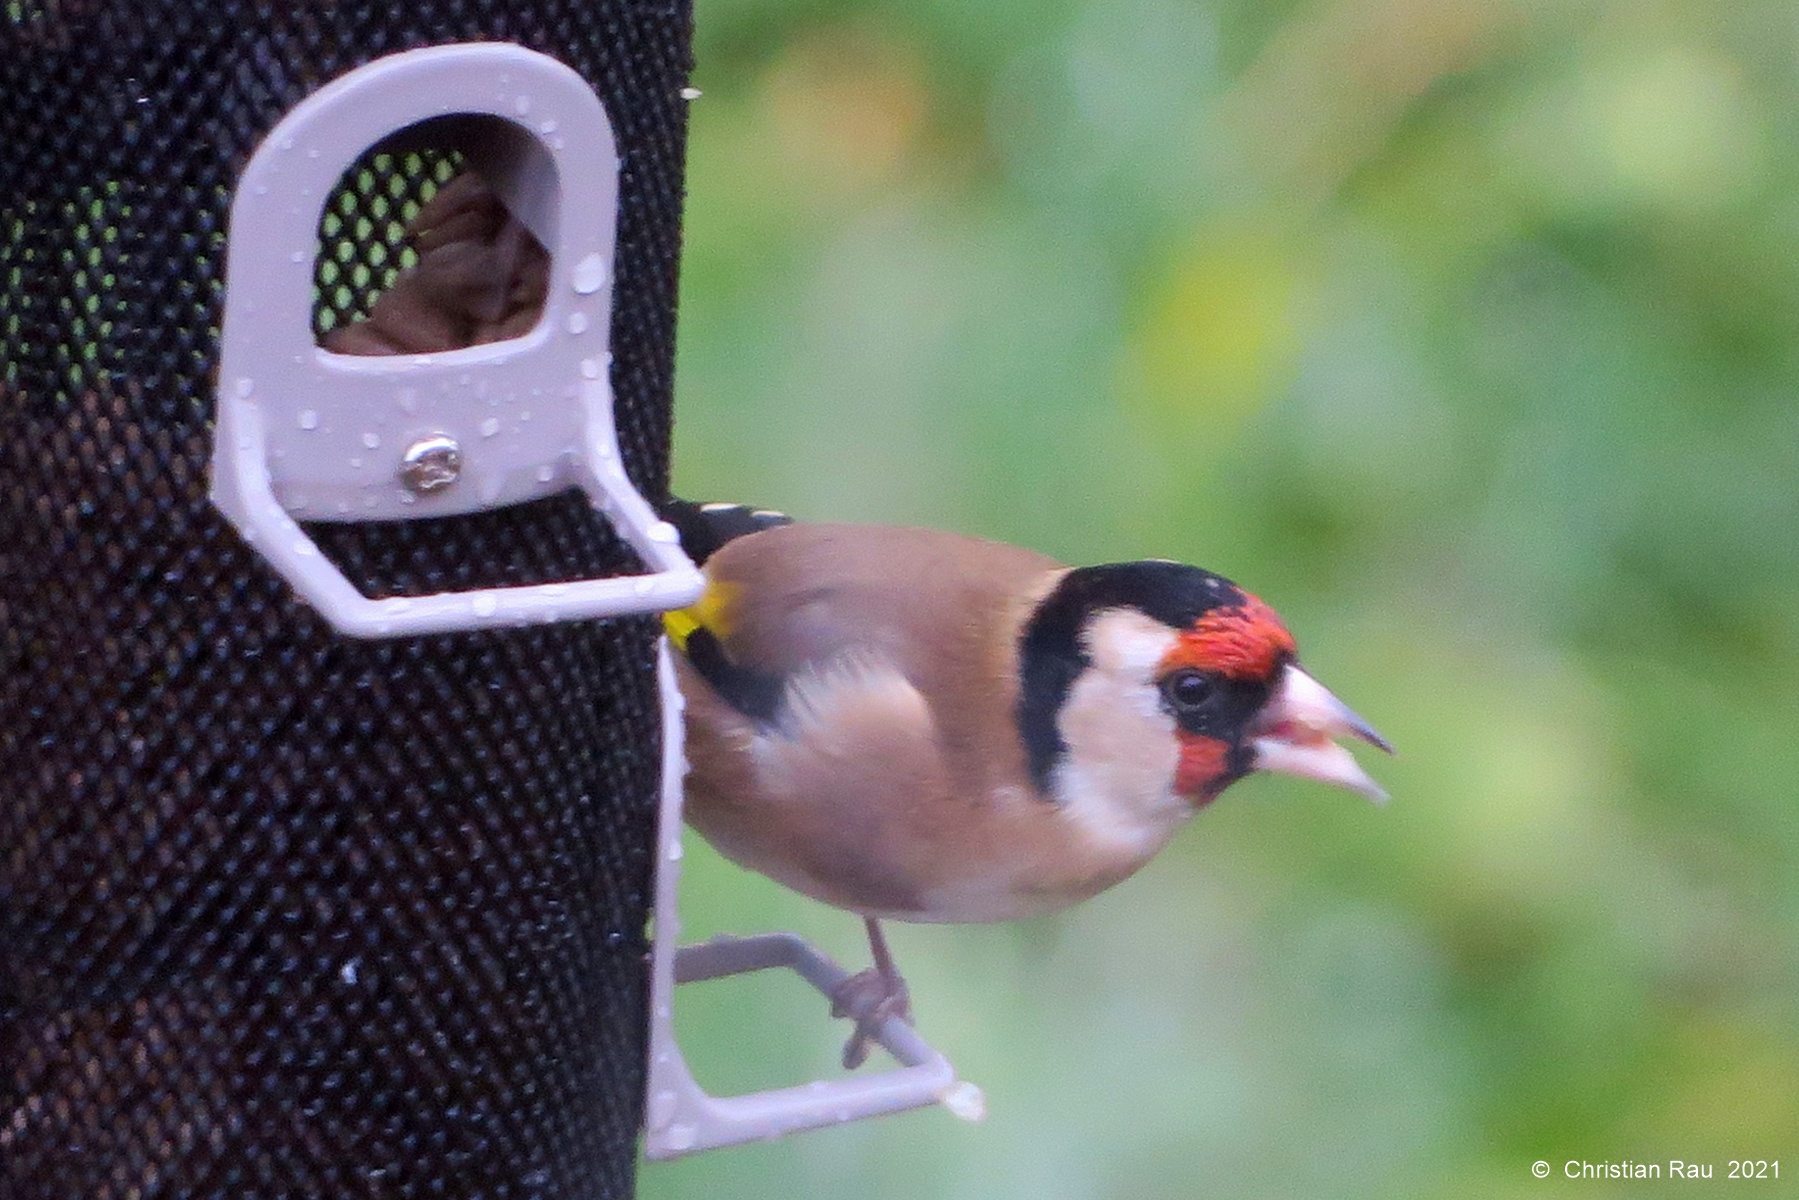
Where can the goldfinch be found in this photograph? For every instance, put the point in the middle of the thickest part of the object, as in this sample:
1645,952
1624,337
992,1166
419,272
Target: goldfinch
919,726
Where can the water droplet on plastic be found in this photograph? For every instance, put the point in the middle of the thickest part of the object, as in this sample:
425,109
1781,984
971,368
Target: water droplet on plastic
577,322
641,587
484,605
298,256
522,105
546,473
675,852
490,427
357,463
547,127
965,1100
590,368
590,274
371,439
662,1108
663,532
308,419
305,549
682,1137
691,93
245,387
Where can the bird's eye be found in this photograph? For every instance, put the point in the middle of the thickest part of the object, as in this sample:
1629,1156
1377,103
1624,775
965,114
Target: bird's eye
1187,690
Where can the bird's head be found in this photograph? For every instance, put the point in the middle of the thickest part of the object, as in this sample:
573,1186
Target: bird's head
1155,676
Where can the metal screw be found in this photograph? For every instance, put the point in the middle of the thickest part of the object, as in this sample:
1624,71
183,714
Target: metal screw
431,464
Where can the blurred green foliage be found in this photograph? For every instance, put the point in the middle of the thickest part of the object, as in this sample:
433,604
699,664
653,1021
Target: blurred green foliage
1464,332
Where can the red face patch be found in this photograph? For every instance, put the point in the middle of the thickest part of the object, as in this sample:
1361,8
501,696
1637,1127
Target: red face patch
1244,642
1201,774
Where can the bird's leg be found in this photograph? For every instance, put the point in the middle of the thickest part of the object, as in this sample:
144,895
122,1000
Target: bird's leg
870,997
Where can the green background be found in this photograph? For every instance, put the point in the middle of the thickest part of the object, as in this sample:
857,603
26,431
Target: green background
1463,332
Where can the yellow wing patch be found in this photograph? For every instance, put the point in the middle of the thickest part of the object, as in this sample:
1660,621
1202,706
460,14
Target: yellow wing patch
710,612
679,625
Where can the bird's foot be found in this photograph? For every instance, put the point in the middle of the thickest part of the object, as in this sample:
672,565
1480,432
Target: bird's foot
869,998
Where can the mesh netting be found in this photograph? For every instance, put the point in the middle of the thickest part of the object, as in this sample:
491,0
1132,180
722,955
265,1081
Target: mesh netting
283,913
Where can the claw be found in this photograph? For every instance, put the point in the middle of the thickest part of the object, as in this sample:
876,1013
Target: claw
871,998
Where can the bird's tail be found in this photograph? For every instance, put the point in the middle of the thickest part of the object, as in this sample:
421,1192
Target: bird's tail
706,527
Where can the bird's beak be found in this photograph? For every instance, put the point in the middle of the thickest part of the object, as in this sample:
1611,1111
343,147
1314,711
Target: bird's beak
1295,734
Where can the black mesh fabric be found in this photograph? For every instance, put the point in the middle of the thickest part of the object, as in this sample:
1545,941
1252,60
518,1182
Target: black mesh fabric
281,913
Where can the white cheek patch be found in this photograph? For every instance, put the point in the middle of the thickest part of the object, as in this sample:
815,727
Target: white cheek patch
1117,777
1124,642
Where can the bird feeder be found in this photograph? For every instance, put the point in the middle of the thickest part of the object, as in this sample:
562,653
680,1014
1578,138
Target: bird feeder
284,911
326,807
303,431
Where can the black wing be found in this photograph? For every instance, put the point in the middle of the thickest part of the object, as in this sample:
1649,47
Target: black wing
706,527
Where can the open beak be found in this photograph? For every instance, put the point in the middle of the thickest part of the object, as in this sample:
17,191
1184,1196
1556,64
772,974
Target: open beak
1296,732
